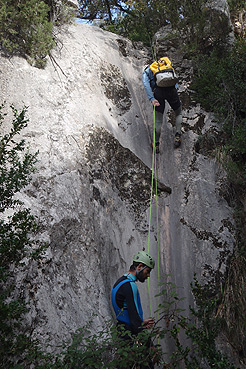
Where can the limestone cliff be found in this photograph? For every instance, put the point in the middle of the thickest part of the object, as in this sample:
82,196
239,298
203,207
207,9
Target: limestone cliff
91,122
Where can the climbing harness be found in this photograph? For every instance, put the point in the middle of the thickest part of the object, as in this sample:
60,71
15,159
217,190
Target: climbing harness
154,176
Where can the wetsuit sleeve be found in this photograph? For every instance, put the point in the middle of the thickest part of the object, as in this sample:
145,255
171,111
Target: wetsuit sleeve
147,84
131,292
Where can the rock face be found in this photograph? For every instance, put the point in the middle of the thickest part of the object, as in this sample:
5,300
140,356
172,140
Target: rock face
91,122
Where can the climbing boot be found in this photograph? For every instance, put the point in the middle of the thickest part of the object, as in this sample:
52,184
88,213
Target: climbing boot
157,149
177,139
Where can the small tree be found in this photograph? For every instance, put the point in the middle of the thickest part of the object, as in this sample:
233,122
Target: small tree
27,27
16,224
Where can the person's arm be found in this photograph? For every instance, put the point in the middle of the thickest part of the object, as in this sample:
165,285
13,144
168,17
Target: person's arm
147,85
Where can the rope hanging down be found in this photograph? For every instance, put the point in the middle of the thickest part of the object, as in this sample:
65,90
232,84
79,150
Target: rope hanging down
154,175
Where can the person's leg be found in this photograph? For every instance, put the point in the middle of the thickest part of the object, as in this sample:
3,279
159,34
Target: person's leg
179,119
174,101
158,124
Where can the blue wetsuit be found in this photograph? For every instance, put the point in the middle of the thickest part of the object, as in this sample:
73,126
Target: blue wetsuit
126,303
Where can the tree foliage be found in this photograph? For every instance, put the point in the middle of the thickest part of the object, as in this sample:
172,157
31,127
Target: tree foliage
16,225
140,20
27,27
220,85
104,9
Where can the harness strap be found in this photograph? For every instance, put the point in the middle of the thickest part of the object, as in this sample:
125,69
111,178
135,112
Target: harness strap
121,314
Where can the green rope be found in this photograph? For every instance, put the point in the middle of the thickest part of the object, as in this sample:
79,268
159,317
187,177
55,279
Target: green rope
151,199
154,173
158,242
152,179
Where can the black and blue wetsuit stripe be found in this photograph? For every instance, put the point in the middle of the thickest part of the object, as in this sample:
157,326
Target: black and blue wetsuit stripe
126,303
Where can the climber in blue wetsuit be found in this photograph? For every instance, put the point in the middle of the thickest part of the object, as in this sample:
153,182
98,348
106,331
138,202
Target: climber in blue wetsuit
125,296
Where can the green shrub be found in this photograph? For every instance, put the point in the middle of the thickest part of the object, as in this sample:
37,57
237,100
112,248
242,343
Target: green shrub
16,225
205,330
25,28
220,86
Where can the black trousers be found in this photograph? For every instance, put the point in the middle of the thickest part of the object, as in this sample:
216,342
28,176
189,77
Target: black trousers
167,93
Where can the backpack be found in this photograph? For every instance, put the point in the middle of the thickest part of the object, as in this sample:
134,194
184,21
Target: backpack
164,73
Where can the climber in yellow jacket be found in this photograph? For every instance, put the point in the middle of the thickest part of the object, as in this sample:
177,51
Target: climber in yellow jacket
159,92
